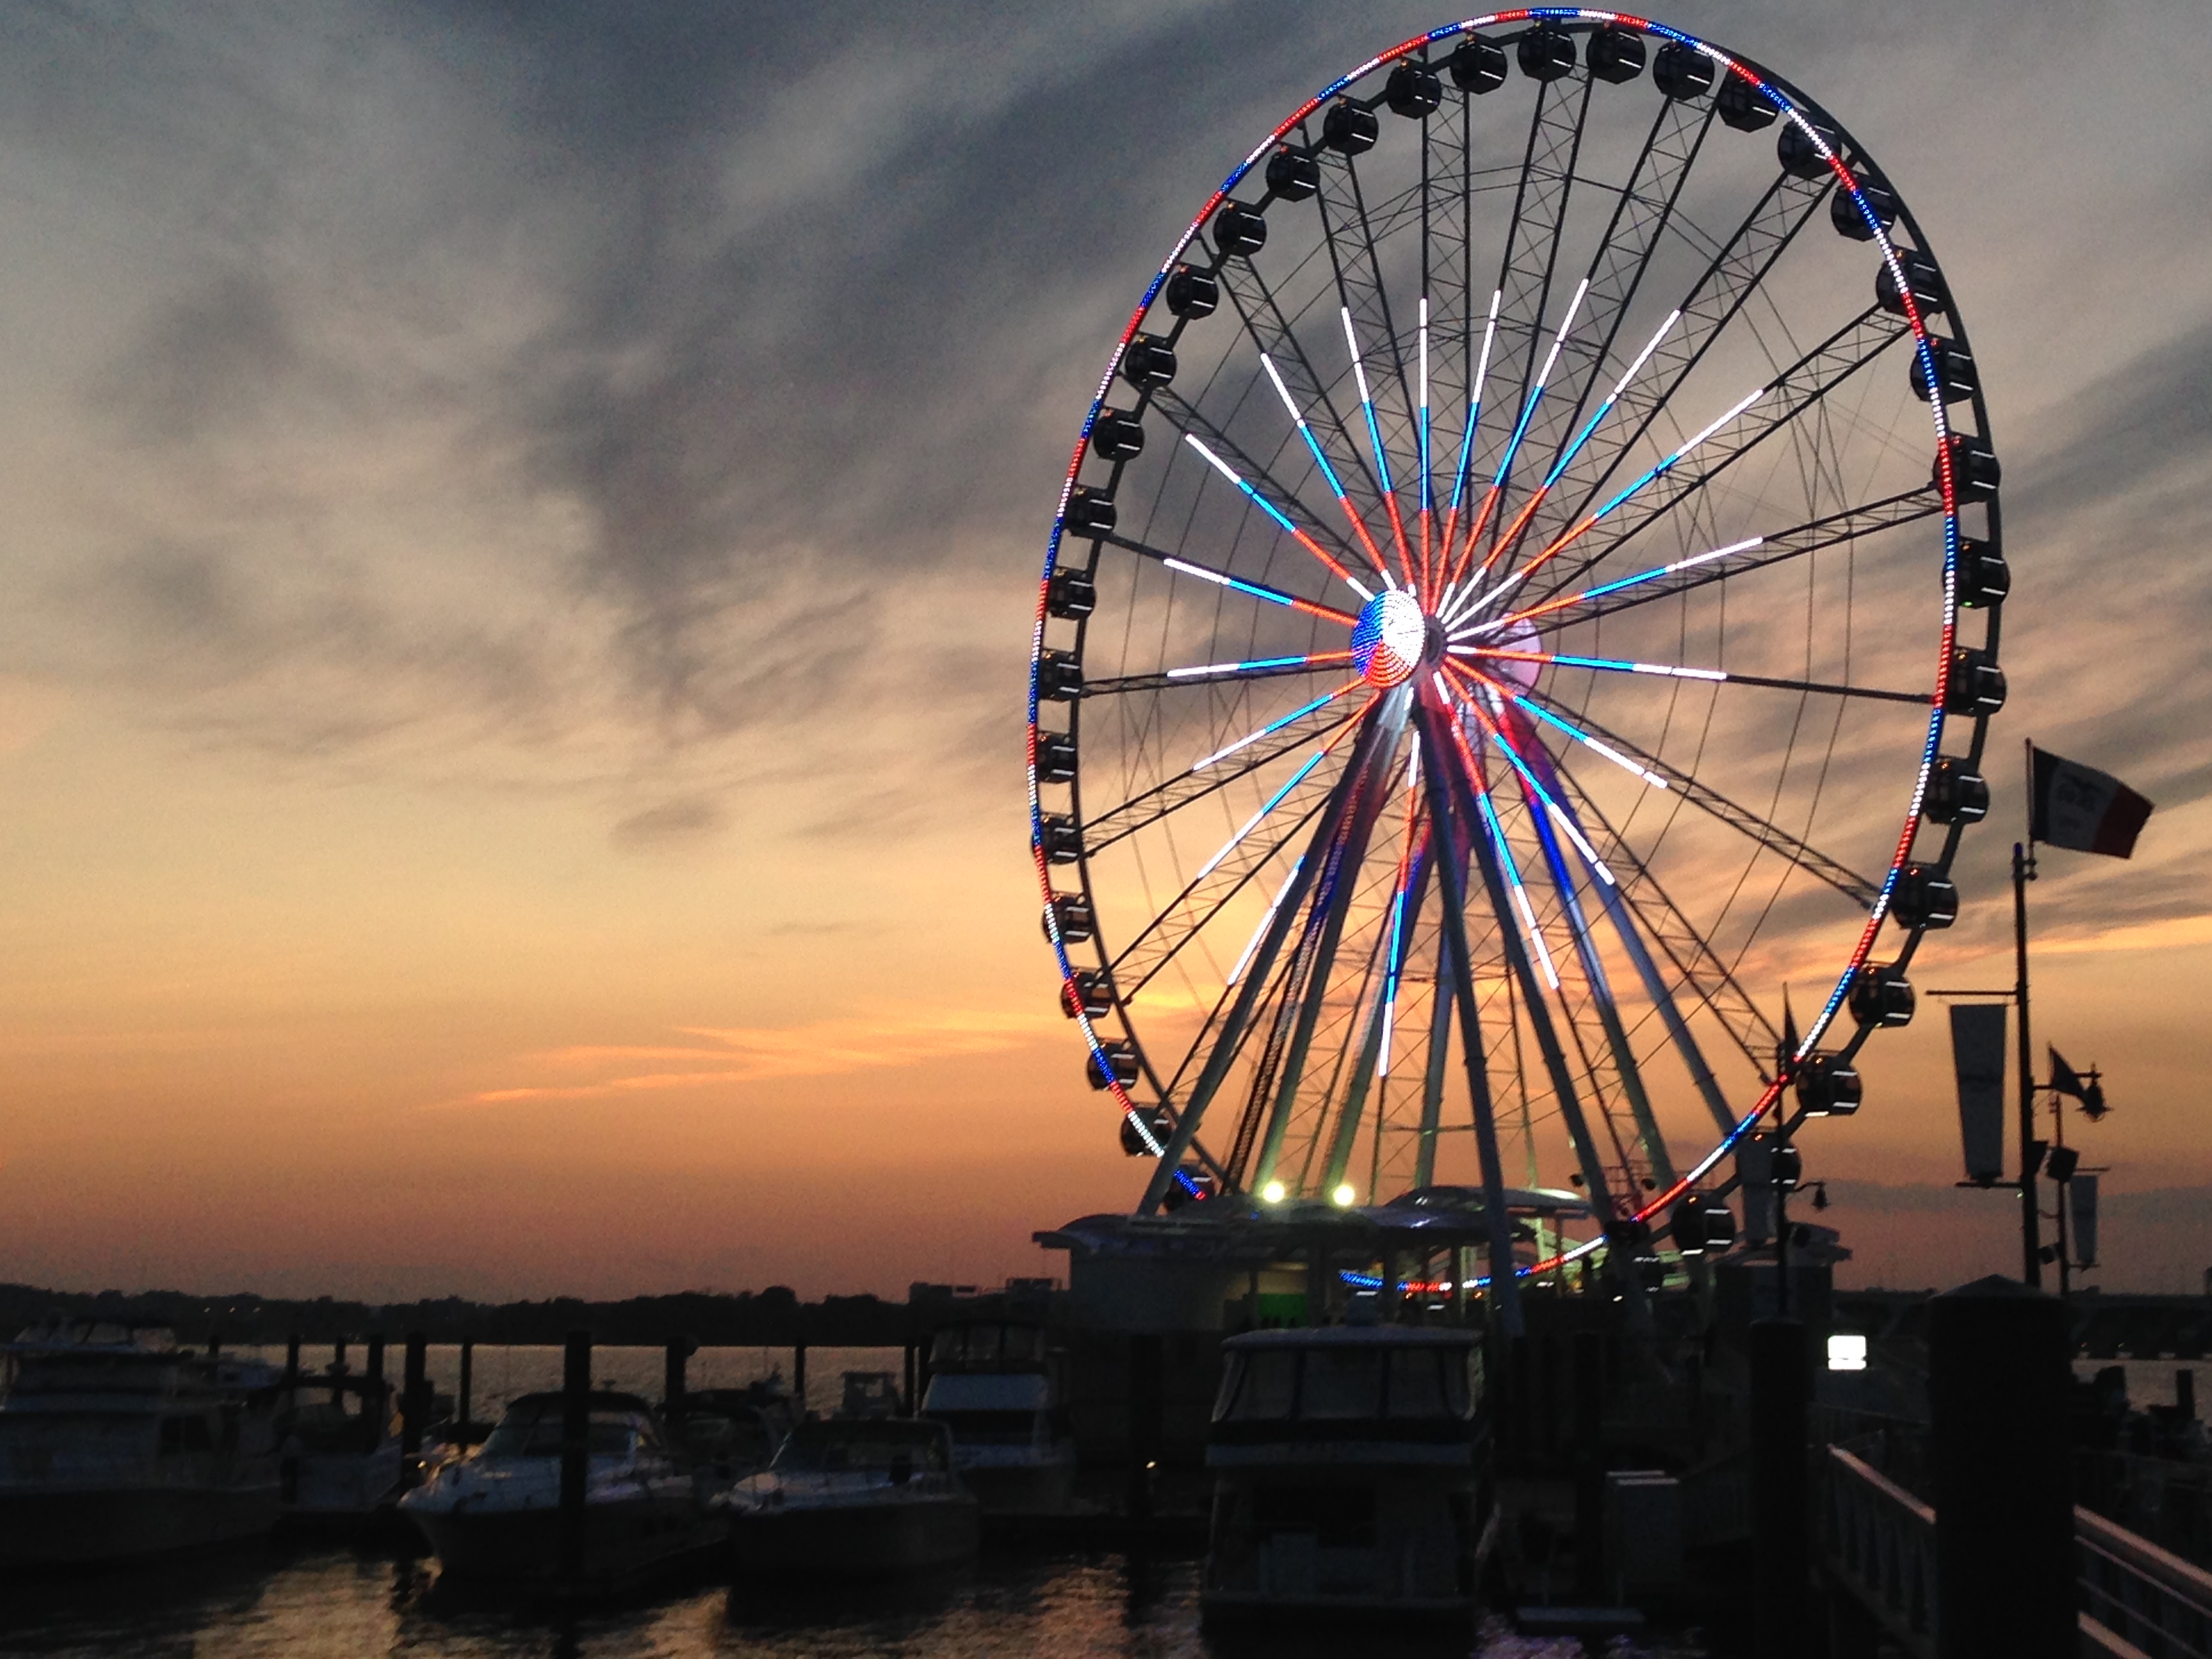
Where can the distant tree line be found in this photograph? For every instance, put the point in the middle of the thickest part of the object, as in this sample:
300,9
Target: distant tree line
773,1317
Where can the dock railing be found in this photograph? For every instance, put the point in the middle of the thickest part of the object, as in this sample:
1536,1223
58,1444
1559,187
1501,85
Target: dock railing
2137,1600
1881,1542
2154,1602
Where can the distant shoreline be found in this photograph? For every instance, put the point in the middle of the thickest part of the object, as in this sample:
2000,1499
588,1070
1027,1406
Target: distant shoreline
774,1317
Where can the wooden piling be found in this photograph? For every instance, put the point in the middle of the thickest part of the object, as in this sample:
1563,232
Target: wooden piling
575,1452
1998,1385
1587,1455
414,1403
799,1377
292,1360
465,1402
672,1388
913,1400
1781,1541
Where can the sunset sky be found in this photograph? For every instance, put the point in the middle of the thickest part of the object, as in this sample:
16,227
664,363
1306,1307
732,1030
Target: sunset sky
519,524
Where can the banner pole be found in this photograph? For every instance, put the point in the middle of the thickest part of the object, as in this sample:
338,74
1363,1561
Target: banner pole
2023,872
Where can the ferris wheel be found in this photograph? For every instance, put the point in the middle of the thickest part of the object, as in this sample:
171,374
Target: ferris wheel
1527,590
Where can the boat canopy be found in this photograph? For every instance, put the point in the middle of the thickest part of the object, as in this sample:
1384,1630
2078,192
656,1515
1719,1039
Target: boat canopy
874,1442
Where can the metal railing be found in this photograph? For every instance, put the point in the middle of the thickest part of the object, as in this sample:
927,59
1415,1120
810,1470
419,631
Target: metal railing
2163,1499
2137,1600
2151,1599
1881,1542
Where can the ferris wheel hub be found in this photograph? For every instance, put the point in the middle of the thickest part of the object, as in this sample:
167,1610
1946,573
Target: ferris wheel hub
1391,638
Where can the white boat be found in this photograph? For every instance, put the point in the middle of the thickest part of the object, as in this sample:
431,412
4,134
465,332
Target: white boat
854,1496
115,1443
1345,1476
727,1434
990,1384
338,1448
496,1511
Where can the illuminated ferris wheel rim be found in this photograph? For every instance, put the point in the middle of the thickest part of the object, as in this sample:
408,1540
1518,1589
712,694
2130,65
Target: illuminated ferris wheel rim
1399,638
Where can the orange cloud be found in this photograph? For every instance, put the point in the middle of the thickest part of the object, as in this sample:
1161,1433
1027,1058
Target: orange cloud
752,1054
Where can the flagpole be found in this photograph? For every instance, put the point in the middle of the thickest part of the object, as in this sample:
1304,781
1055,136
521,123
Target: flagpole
2058,1139
2023,872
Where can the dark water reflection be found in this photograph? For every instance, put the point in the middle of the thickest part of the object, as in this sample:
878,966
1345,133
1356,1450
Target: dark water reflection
311,1604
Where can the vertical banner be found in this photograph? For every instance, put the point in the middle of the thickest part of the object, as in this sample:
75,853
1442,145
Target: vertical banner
1754,1169
2083,1191
1978,1052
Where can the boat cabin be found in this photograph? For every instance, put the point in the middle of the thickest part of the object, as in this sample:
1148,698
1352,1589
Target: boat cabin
902,1447
618,1426
1347,1474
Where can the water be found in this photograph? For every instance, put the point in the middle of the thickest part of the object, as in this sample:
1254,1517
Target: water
2150,1382
321,1602
334,1604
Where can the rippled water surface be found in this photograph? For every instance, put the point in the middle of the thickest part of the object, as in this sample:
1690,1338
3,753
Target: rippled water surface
315,1603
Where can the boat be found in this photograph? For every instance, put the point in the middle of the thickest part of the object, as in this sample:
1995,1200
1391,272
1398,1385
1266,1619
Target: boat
1346,1475
870,1394
116,1444
339,1461
727,1434
991,1384
494,1512
854,1496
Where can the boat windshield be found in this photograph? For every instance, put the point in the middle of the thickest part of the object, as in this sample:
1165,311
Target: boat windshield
534,1430
1322,1384
831,1447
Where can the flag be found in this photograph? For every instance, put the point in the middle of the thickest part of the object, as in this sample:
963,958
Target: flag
2078,806
1977,1051
2068,1081
2082,1190
1786,1055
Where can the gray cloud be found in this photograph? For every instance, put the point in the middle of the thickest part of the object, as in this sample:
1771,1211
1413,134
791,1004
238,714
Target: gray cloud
707,333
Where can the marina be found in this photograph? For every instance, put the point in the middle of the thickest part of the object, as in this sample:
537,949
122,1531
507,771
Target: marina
1523,685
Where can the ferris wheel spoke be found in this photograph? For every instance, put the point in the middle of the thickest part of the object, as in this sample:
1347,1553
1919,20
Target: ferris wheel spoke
1521,764
1511,535
1317,960
1558,723
1364,302
1803,387
1496,492
1475,390
1176,562
1598,988
1275,726
1223,454
1650,914
1393,939
1621,915
1852,525
1466,781
1642,211
1215,674
1329,473
1381,456
1474,603
1774,839
1303,390
1149,806
1224,1034
1208,894
1479,653
1715,298
1641,215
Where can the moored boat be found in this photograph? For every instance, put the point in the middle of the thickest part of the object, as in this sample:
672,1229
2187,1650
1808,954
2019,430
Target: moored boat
991,1384
1346,1475
854,1496
339,1459
115,1443
496,1511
